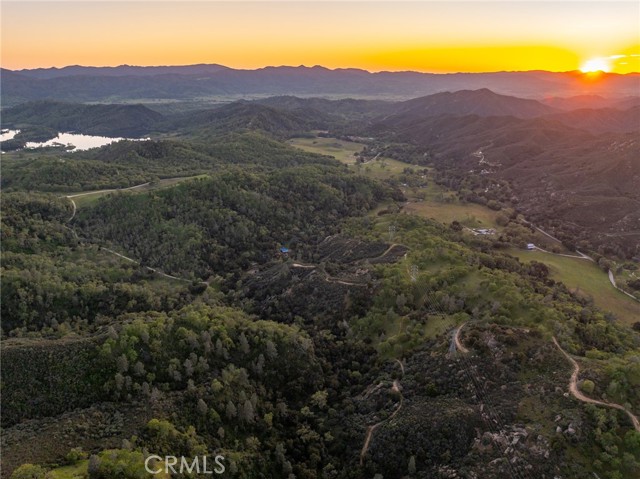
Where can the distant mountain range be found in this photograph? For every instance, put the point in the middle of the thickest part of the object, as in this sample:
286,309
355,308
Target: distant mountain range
483,103
77,83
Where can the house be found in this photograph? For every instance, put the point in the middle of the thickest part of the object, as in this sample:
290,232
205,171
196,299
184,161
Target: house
483,231
531,246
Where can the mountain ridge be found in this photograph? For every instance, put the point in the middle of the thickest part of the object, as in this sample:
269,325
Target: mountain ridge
189,82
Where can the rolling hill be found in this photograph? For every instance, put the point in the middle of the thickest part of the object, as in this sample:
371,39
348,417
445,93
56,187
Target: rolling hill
108,120
481,102
348,108
248,116
587,185
602,120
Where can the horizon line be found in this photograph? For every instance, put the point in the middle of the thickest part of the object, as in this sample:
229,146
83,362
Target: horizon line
312,67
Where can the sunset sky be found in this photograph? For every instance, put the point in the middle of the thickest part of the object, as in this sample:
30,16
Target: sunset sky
423,36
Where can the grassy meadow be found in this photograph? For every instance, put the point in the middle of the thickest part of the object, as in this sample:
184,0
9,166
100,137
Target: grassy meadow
586,278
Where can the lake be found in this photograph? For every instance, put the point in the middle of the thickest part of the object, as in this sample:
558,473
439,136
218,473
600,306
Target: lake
8,134
80,142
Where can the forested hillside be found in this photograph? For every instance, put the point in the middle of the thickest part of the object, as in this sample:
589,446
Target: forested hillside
218,291
581,185
223,223
107,120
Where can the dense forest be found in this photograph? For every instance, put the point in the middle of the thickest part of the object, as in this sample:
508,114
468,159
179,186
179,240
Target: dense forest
290,312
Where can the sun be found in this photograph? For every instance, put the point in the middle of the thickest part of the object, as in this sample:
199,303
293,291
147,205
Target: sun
596,65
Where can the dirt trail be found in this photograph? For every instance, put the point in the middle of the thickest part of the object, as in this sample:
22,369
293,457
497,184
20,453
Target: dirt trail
612,280
579,256
573,388
107,191
149,268
131,260
73,203
388,250
75,208
456,339
396,388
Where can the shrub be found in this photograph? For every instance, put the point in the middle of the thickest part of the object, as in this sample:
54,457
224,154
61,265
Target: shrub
29,471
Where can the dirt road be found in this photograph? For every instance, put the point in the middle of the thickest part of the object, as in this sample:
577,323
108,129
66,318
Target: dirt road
456,340
573,388
396,388
73,203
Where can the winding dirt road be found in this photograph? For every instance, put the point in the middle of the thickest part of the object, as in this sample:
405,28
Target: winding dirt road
456,340
396,388
331,279
612,280
73,204
573,388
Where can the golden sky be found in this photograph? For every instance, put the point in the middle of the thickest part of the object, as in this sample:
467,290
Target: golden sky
424,36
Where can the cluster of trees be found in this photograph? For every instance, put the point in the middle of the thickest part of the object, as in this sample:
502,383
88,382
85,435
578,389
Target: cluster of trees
242,381
53,284
70,175
127,163
221,224
619,454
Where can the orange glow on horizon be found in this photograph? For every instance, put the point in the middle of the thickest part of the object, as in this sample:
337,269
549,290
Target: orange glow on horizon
596,65
376,36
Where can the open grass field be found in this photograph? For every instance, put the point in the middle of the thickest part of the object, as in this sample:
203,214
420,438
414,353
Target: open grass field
439,203
470,215
586,278
341,150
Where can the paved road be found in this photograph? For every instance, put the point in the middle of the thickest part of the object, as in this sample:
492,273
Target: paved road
573,388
